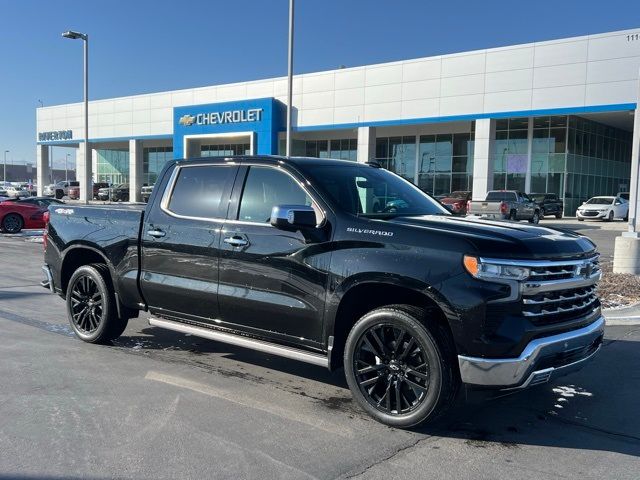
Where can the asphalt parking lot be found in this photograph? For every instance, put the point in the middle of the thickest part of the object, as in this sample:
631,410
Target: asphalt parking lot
162,405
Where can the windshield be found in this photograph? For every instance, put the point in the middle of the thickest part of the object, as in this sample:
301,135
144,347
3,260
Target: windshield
538,197
600,201
372,192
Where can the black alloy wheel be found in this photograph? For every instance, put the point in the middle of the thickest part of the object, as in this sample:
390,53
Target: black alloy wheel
91,305
12,223
86,304
391,369
610,217
513,215
400,365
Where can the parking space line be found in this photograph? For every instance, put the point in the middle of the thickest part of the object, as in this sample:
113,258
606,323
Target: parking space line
285,413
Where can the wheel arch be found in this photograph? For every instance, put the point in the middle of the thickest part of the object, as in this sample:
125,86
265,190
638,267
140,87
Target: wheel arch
362,296
78,255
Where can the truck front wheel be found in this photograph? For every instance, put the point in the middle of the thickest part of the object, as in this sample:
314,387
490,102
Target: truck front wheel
91,305
399,371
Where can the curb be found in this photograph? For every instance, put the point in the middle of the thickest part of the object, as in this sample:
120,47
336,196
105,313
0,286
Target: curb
623,316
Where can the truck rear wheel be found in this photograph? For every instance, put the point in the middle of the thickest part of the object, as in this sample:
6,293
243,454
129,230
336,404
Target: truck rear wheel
399,370
91,305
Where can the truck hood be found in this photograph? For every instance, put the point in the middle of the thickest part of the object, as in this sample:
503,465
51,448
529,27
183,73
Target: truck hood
502,239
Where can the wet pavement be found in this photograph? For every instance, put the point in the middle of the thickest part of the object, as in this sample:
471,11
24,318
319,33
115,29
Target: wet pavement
158,404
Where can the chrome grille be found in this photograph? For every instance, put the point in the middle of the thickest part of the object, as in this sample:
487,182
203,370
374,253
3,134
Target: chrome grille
558,291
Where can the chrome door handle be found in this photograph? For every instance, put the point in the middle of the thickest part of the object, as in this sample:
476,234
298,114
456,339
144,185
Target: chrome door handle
236,241
156,233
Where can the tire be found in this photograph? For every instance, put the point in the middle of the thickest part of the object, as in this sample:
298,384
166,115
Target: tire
425,377
559,215
542,213
513,215
59,194
90,288
12,223
536,218
580,219
610,216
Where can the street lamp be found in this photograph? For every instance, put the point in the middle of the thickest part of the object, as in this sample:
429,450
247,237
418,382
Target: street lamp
290,78
85,38
4,174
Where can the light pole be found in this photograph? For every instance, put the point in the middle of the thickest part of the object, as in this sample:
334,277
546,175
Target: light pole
85,186
290,78
66,175
4,173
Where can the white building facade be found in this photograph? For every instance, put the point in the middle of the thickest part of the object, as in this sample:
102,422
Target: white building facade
553,116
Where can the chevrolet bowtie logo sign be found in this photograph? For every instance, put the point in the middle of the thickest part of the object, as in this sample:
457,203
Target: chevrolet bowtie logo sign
187,120
221,118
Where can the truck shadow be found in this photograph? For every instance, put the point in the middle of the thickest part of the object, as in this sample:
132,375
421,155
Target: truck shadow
593,409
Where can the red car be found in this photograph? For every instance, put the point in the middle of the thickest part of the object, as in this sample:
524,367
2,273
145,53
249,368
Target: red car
457,202
73,193
26,213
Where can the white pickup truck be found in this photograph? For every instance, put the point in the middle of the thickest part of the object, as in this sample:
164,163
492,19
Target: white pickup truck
506,204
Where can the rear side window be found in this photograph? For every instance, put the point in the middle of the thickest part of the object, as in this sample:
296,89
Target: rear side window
266,187
199,191
501,197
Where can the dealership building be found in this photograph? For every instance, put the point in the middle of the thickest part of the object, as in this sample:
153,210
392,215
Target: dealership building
552,116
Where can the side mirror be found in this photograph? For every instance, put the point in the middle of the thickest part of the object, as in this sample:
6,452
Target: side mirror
293,217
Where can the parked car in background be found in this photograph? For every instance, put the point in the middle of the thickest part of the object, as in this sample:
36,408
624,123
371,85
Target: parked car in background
104,193
457,201
120,193
97,186
603,208
549,204
60,189
506,204
74,192
28,213
145,192
624,195
17,192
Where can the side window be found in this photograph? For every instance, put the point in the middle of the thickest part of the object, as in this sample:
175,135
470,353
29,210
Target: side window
198,191
266,187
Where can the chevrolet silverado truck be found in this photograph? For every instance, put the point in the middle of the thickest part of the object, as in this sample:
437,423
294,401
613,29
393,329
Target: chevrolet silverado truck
507,205
288,256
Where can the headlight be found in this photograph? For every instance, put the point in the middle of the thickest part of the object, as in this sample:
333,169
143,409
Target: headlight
486,270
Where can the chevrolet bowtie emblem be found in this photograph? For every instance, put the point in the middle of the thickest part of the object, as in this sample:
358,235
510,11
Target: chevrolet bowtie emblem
187,120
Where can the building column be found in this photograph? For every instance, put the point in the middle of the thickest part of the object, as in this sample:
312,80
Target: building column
483,150
626,254
366,144
94,164
42,166
136,170
527,178
83,174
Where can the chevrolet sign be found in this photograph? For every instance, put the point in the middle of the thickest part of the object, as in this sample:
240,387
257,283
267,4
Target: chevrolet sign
220,118
57,135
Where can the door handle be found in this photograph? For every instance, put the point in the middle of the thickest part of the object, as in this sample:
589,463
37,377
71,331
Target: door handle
236,241
156,233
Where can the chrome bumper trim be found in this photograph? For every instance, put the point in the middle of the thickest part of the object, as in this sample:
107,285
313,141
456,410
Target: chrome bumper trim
48,283
513,373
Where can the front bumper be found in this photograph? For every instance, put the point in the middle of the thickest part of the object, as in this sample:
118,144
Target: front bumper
542,359
598,216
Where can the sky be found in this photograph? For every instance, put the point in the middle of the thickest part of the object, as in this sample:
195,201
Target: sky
143,46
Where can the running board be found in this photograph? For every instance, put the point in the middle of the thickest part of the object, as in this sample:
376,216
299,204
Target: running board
240,341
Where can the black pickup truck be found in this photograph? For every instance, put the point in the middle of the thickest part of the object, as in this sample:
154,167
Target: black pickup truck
297,257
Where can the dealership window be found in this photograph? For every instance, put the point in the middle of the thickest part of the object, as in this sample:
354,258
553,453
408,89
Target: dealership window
598,161
398,154
153,161
548,154
510,157
341,149
445,163
112,166
225,150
